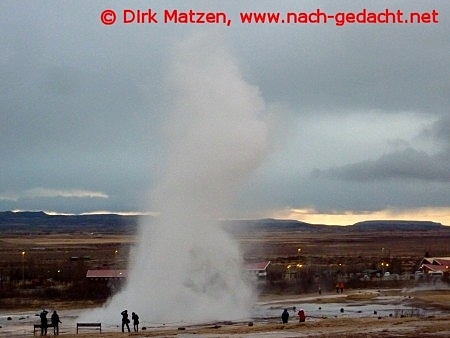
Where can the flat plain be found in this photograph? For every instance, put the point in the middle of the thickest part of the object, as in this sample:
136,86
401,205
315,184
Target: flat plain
343,249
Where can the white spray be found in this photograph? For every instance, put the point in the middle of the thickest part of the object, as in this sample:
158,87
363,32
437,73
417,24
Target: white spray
186,268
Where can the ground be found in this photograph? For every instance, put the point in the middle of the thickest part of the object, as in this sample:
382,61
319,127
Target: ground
432,321
56,249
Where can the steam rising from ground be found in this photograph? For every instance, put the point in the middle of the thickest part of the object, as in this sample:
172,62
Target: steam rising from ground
185,268
431,285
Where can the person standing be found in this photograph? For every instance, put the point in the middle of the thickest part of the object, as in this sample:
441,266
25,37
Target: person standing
55,322
285,316
301,316
135,319
125,320
43,316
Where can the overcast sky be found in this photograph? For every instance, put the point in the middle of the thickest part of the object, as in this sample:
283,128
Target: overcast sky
357,117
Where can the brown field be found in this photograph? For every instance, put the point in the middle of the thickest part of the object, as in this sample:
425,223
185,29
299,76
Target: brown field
333,247
51,253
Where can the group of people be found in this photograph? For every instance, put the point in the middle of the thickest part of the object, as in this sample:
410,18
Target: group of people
44,322
126,321
339,287
56,321
285,315
135,318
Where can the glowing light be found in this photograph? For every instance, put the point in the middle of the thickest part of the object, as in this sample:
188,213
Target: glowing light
349,217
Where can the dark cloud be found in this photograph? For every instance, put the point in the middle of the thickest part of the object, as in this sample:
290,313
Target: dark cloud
439,131
406,164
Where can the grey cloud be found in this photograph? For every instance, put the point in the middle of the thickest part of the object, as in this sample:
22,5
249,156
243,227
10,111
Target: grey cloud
82,105
439,131
393,68
406,164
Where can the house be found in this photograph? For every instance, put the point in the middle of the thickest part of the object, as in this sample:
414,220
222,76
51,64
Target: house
258,269
255,269
106,274
435,265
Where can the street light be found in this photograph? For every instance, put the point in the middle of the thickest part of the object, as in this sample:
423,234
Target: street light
116,252
23,267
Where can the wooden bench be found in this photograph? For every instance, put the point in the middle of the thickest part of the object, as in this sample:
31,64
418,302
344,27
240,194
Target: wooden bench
38,327
94,325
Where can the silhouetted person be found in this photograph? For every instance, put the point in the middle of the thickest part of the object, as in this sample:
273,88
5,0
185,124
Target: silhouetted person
55,322
285,316
44,324
135,319
125,320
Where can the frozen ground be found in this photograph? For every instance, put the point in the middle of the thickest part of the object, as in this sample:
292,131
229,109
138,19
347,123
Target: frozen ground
368,305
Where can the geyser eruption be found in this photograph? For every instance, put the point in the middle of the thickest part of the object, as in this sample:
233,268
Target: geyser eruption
185,268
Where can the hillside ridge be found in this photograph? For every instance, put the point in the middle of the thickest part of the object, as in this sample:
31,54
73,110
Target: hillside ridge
39,221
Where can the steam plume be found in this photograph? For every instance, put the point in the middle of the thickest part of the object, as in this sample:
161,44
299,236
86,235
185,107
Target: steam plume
185,267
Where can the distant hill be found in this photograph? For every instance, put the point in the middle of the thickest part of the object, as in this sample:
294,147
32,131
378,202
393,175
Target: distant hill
112,223
39,221
397,226
292,225
269,224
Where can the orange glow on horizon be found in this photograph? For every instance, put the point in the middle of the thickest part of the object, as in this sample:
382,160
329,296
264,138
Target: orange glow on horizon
439,215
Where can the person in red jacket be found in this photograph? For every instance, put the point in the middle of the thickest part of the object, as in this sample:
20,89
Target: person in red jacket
301,316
